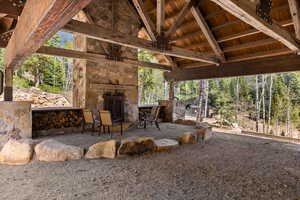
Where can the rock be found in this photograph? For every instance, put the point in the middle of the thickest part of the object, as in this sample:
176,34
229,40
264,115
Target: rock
133,146
102,150
53,151
204,134
165,144
237,130
188,138
17,152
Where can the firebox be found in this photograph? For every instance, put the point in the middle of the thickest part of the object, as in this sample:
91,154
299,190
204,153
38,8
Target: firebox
115,104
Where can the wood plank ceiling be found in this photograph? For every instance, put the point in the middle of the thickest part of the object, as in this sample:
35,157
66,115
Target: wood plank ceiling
220,28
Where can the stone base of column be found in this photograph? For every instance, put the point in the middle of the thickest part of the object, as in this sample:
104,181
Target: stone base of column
8,93
16,117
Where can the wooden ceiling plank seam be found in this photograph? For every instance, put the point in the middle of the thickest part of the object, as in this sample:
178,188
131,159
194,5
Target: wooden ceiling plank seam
246,14
251,32
208,33
251,56
180,17
99,33
295,13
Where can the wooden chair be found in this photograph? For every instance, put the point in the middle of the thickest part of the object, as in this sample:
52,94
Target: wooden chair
88,119
106,121
153,117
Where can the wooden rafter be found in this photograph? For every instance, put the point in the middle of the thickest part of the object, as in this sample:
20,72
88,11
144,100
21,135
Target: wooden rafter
102,34
160,16
38,22
52,51
285,63
150,27
180,17
295,13
208,34
244,12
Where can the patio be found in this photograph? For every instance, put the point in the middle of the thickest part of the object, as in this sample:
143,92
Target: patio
229,167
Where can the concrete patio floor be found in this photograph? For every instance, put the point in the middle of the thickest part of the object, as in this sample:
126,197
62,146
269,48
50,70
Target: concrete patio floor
227,167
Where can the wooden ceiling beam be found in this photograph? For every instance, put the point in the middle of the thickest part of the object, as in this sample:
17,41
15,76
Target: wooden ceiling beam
207,32
295,13
278,64
245,13
38,22
250,45
160,16
52,51
180,17
102,34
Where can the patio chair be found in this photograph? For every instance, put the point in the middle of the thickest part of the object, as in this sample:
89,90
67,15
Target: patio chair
153,117
106,121
88,119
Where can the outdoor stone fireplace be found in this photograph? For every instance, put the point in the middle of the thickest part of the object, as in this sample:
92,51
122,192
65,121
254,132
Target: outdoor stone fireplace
92,80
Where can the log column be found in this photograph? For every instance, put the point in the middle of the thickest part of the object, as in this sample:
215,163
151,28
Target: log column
8,87
171,90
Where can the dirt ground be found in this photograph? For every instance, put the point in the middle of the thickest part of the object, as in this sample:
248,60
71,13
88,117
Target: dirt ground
227,167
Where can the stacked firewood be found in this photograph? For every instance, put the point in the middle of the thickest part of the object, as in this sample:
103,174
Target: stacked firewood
56,119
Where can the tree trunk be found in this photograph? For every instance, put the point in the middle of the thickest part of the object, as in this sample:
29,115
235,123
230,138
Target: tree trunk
263,103
237,98
257,102
206,98
199,114
270,103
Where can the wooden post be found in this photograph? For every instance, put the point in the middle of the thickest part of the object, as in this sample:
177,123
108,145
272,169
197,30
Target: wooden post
171,90
8,87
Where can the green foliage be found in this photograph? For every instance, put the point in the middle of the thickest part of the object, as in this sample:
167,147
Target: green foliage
46,72
151,81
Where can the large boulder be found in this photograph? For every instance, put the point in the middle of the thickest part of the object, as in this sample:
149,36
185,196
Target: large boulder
53,151
188,138
102,150
165,144
17,152
134,145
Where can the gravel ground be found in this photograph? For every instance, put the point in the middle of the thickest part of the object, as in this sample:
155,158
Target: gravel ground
227,167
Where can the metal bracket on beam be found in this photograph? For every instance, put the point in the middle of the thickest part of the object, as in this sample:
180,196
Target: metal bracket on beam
263,10
162,43
115,52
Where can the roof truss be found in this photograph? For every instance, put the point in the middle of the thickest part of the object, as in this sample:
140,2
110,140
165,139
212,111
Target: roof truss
247,14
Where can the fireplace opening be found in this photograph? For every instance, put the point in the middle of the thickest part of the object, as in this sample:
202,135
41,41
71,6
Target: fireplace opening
115,103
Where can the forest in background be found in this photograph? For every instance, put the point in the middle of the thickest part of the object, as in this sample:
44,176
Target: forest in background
49,73
271,103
